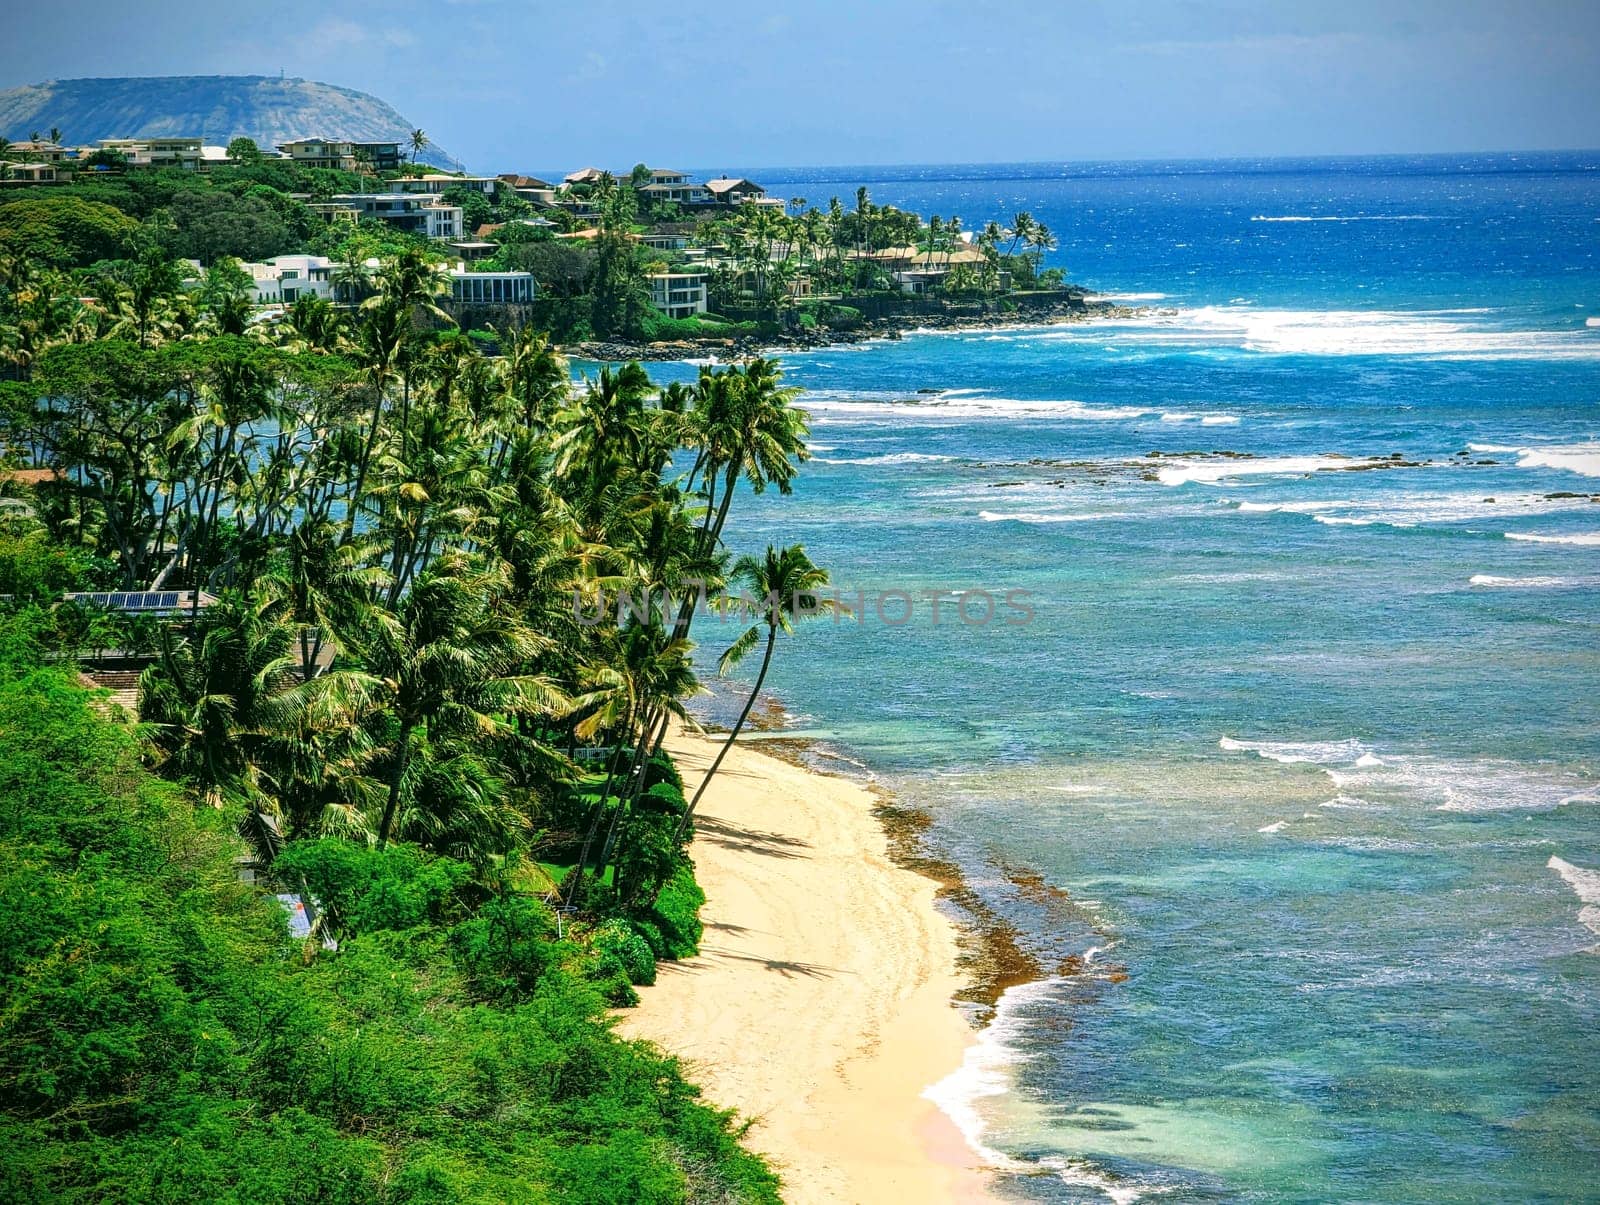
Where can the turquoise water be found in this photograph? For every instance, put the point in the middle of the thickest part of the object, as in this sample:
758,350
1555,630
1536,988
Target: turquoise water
1313,752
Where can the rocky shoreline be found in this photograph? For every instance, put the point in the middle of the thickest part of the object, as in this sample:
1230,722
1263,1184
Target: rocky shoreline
1071,310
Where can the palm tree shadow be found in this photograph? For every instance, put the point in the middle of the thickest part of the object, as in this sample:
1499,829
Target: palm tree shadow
749,840
787,967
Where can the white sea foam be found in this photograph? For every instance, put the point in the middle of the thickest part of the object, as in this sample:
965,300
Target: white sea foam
1533,583
1477,785
1414,509
1583,459
1587,885
1584,538
1079,1173
1130,297
1319,753
985,1071
1219,420
1276,827
1433,334
959,405
1351,803
888,458
1026,516
1178,472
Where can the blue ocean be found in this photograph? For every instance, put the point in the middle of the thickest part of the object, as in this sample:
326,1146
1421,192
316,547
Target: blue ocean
1291,778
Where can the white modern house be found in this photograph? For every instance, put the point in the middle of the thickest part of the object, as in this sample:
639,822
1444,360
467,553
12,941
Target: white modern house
492,288
678,294
284,279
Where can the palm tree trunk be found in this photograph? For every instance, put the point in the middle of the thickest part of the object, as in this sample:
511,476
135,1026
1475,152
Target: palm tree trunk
393,804
766,660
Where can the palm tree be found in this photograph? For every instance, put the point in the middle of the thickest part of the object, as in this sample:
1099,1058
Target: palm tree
786,582
419,142
445,664
1022,227
214,704
1042,240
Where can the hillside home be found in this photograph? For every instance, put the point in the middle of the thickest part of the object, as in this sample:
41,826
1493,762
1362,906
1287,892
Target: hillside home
183,153
284,279
419,214
678,294
731,190
438,182
491,288
530,188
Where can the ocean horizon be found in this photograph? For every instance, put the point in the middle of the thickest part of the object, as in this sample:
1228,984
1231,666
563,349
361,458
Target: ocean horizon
1301,728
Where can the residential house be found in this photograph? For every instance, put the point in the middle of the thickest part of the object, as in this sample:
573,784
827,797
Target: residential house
419,214
585,175
674,187
678,294
284,279
731,190
183,153
383,156
491,288
530,188
343,154
39,151
438,182
33,173
320,152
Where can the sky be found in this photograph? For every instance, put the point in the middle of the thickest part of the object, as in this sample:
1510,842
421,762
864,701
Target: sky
527,84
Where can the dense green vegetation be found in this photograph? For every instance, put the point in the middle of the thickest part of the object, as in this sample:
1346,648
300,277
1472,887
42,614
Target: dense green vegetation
165,1039
401,688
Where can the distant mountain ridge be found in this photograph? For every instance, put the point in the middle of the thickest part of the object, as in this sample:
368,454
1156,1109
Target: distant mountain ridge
215,107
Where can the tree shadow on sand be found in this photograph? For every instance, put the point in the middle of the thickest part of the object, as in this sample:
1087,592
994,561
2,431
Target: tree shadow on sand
750,840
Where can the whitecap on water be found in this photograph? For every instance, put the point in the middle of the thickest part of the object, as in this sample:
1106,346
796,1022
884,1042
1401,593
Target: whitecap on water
1032,517
1586,883
1318,753
1582,538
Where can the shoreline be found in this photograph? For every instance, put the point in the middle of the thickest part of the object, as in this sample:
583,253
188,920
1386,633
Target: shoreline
1088,308
823,1003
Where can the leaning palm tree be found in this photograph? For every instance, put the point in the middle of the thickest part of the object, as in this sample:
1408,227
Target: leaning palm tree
419,143
786,582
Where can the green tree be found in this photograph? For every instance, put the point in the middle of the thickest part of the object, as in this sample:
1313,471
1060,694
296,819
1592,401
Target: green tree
784,584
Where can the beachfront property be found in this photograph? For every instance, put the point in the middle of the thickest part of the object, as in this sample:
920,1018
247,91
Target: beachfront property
678,294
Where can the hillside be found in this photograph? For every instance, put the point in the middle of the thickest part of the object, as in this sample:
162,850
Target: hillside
216,107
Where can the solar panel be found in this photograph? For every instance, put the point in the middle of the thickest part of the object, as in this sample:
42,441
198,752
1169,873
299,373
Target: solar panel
119,601
169,600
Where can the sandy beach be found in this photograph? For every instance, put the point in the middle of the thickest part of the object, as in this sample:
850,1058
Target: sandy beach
820,1005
